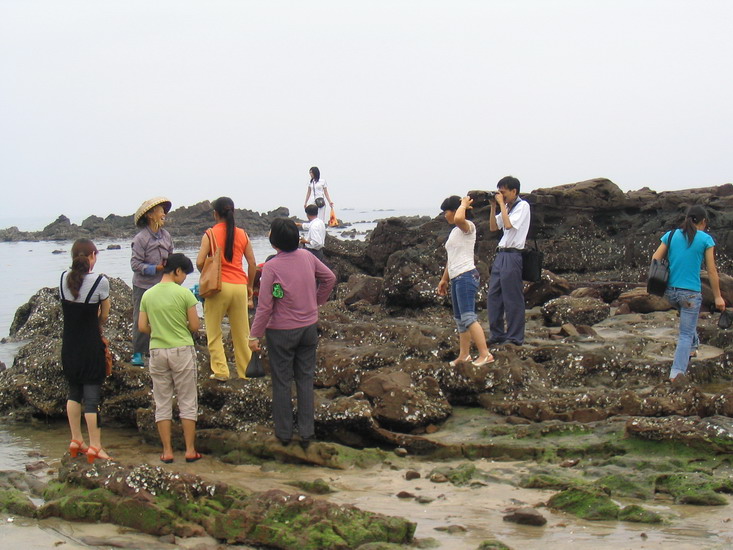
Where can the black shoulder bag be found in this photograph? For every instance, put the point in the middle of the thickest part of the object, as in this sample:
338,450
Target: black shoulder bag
532,259
656,282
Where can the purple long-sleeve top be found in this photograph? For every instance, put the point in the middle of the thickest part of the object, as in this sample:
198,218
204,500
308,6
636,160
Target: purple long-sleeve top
306,283
149,250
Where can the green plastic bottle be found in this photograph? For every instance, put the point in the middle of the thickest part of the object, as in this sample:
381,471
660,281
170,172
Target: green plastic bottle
277,291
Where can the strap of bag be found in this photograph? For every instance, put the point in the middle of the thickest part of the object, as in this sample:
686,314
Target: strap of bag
669,241
212,242
94,287
515,203
61,286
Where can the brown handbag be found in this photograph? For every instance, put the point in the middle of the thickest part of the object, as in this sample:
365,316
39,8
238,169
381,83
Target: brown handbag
210,280
107,357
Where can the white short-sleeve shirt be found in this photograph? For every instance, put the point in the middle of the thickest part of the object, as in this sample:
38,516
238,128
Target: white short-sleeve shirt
519,216
460,248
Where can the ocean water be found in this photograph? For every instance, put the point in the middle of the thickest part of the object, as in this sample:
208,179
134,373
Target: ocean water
26,267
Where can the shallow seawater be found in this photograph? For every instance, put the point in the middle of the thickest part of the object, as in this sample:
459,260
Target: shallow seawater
479,510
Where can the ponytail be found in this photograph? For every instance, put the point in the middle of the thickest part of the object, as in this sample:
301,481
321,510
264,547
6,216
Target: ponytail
695,214
81,253
224,207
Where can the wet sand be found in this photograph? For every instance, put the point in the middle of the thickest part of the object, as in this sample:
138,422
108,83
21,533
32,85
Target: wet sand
478,510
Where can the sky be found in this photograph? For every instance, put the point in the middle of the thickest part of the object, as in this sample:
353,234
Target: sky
104,104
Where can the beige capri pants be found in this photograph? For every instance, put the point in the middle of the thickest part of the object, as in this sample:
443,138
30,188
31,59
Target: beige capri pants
174,369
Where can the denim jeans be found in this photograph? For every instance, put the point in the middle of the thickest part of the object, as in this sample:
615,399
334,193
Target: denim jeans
688,303
463,290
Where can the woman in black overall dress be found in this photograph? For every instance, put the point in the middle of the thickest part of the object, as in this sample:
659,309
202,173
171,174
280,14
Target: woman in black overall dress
85,304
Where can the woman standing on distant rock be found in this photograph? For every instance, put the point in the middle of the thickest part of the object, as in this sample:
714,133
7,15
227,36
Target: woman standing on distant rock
150,249
319,189
685,250
460,271
236,290
85,305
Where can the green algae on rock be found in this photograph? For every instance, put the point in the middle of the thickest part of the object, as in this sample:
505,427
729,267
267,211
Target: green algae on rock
317,486
585,504
158,502
695,488
636,514
493,545
16,502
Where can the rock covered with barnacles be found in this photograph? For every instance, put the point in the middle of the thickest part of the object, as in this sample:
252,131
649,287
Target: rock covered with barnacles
160,502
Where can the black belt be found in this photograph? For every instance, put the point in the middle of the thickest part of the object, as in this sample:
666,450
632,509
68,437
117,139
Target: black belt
500,249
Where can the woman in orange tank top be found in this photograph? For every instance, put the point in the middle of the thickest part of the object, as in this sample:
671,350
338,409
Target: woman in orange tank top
236,291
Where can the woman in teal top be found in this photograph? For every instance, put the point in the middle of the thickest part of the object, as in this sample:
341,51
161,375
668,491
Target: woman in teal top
687,247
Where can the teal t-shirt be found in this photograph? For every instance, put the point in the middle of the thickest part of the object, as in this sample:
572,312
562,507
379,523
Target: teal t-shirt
685,261
166,305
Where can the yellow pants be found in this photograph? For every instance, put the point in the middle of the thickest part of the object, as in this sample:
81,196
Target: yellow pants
232,302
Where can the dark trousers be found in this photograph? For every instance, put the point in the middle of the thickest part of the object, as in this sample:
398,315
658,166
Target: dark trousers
318,253
506,299
292,355
140,340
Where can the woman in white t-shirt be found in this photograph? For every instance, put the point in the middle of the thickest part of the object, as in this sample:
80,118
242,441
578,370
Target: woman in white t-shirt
463,276
319,189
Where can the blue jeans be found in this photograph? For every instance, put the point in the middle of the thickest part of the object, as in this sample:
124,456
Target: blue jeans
688,303
463,289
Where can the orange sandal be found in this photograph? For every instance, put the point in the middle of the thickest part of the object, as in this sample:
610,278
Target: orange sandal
76,448
93,454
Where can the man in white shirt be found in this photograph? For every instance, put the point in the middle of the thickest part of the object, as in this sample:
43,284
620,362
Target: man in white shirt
316,237
506,290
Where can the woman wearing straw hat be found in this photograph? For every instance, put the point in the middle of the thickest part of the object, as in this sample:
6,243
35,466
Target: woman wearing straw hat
150,249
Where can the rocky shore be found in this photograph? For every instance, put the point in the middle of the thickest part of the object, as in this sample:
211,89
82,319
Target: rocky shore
585,402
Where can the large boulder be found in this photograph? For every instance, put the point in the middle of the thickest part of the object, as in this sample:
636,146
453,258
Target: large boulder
638,300
411,278
577,311
402,404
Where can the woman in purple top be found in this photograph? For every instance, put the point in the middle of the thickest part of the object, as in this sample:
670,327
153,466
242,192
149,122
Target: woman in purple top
150,249
293,284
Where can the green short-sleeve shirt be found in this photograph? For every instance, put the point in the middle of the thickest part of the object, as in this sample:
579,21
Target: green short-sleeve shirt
166,305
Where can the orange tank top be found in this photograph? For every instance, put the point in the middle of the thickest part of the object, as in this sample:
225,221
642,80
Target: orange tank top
232,272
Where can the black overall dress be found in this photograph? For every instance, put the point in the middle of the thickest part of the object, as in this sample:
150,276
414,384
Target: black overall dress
82,349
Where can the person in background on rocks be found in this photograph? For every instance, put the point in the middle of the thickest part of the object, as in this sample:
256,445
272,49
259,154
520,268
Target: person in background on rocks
506,290
150,249
168,314
319,189
460,271
293,284
236,291
85,304
316,237
685,254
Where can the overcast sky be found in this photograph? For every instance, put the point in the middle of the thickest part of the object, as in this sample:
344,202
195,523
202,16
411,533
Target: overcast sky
400,103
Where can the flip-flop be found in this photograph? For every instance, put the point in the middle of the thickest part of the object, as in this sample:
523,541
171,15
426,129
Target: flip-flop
166,460
198,456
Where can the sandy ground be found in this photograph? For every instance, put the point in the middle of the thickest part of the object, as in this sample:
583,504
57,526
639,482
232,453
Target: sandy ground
473,514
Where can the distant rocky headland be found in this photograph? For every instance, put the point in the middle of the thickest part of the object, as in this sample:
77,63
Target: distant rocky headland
184,222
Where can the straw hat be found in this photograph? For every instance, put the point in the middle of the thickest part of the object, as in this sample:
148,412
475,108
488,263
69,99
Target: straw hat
150,204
